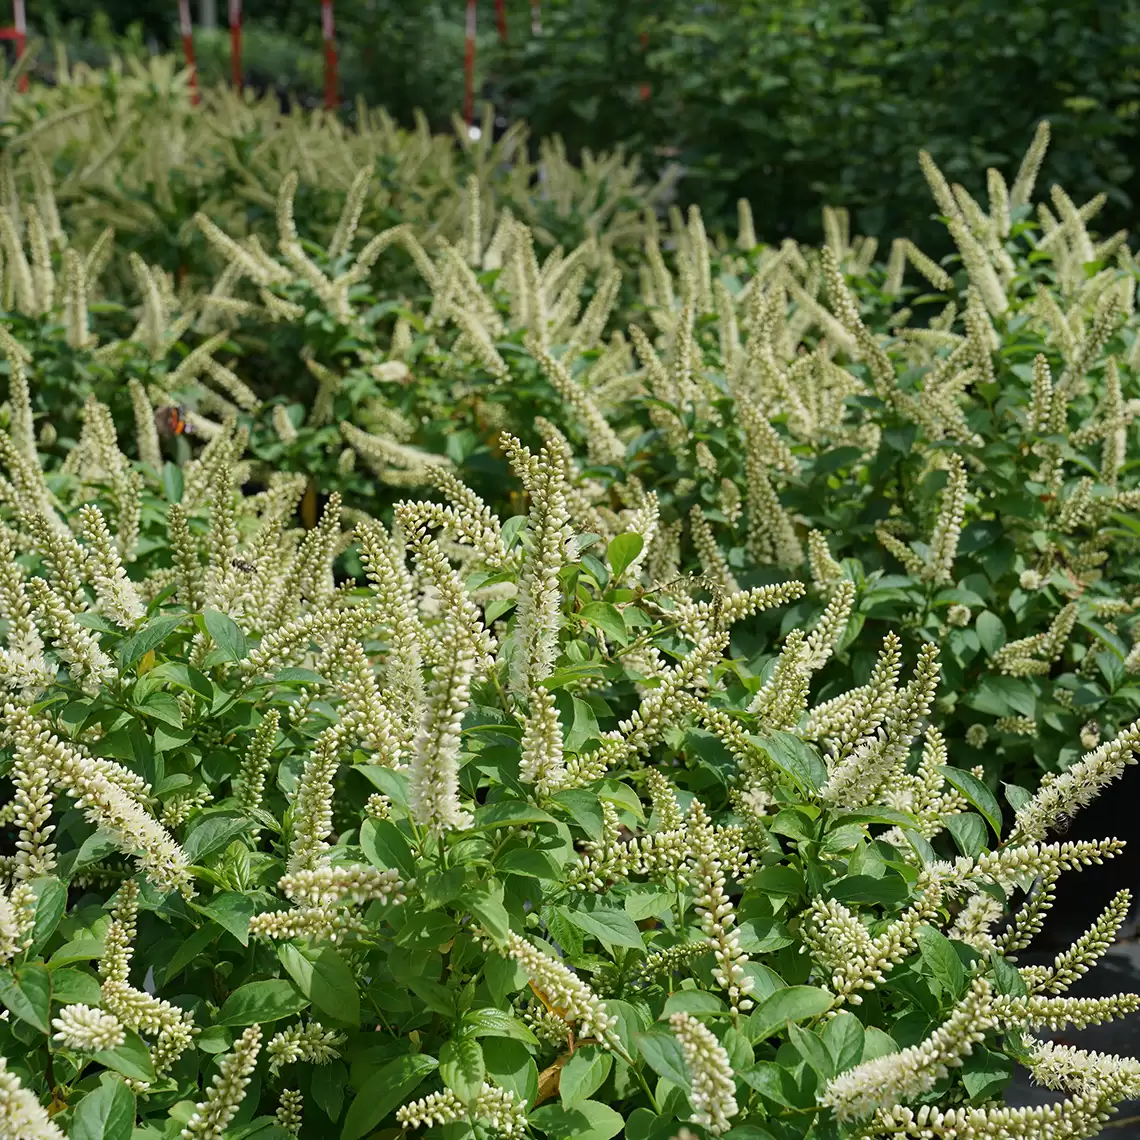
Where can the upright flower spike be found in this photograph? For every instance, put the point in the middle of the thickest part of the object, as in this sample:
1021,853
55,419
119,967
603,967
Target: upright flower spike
539,618
312,1043
366,712
948,526
312,804
79,650
350,213
542,762
87,1030
706,874
212,1116
855,780
712,1088
906,1075
396,613
433,784
114,591
1026,178
250,780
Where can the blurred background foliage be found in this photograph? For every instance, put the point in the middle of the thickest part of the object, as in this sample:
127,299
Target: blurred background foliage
792,103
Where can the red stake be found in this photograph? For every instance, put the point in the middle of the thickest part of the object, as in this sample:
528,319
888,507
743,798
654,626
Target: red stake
536,17
469,66
19,18
235,43
328,32
501,18
187,29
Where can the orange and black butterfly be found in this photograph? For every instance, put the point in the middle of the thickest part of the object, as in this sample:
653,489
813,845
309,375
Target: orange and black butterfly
171,421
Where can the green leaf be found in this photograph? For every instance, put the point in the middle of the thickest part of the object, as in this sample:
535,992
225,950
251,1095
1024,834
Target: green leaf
132,1058
384,846
211,832
969,831
1007,977
51,901
328,1086
610,924
941,959
622,551
70,987
262,1002
763,935
800,762
607,618
190,950
779,879
774,1082
384,1092
843,1036
78,950
151,636
877,1044
462,1069
105,1113
509,813
492,1022
162,707
334,990
977,793
27,993
172,482
793,1003
297,966
985,1074
663,1054
584,1074
697,1002
868,890
232,911
226,634
486,904
510,1064
586,1120
991,632
812,1049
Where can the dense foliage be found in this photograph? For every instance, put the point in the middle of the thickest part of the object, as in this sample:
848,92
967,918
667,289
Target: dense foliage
500,661
795,105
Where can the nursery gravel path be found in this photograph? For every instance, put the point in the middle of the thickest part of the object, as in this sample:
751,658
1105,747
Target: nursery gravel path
1118,971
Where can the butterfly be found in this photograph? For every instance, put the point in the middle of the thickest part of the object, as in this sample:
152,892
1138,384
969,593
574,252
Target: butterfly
171,421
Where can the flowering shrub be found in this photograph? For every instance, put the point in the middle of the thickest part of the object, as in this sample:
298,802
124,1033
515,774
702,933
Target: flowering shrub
509,840
615,749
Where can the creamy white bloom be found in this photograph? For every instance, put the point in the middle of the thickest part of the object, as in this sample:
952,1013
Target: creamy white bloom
227,1090
712,1091
81,1027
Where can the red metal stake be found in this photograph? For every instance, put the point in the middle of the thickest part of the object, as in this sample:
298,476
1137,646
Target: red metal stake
19,18
187,29
328,32
644,37
469,66
501,18
235,43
